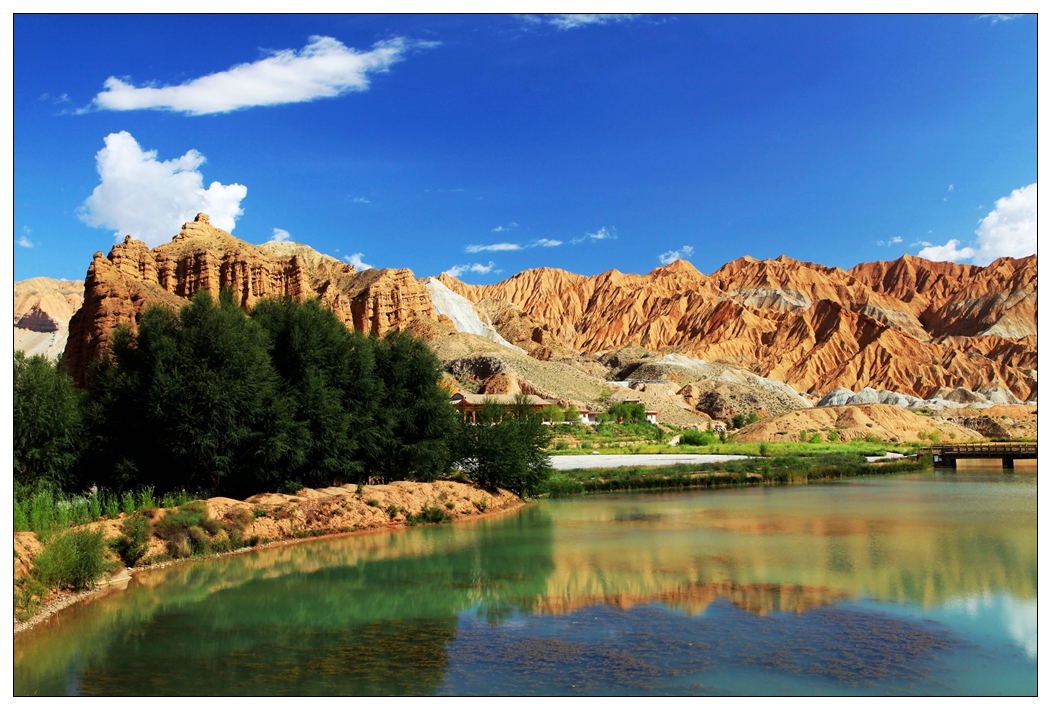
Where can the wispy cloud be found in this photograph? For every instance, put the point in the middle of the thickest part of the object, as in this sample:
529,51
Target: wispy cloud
547,242
355,261
361,200
23,238
599,235
508,227
457,271
61,98
574,21
890,242
669,257
951,188
280,235
324,68
475,248
1008,230
150,199
998,18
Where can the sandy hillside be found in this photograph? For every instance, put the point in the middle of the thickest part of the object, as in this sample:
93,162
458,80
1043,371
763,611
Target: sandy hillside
883,420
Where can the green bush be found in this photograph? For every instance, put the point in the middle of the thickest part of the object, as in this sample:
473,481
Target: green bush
73,560
372,502
21,520
127,503
42,514
697,438
392,511
133,542
146,498
95,507
428,515
111,506
816,438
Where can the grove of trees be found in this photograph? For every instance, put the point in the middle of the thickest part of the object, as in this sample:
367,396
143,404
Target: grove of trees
217,400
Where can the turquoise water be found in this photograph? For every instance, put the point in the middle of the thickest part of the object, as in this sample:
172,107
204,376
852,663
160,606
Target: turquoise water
917,584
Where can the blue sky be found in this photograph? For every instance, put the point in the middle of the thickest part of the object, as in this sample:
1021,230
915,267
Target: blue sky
485,145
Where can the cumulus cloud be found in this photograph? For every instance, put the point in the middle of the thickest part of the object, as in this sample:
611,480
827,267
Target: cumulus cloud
602,233
23,238
355,261
509,227
324,68
457,271
1008,230
573,21
151,199
280,235
947,252
669,257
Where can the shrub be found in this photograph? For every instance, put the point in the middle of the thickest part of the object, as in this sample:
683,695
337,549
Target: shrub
133,542
428,515
146,498
42,513
372,502
935,436
392,511
21,520
816,438
73,560
111,506
450,505
168,501
763,449
833,437
697,438
95,507
127,503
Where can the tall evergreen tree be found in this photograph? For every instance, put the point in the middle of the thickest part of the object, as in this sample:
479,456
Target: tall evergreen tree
46,422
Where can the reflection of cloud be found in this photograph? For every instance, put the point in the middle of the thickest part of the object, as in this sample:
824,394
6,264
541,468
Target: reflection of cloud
1019,617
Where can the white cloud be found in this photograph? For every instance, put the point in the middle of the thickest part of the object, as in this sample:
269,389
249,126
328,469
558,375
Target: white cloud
947,252
356,262
280,235
457,271
602,233
23,240
548,242
998,18
149,199
572,21
891,242
509,227
475,248
324,68
951,187
1008,230
361,200
669,257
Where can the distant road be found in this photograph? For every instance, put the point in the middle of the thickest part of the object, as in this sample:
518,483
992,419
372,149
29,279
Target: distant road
576,462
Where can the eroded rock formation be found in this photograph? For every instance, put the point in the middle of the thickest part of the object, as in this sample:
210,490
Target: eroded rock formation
119,288
910,325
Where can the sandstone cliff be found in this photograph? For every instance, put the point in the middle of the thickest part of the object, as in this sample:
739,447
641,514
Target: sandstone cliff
911,325
43,307
119,288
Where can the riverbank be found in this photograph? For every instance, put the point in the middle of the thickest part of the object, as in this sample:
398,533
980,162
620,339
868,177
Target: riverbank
774,470
234,526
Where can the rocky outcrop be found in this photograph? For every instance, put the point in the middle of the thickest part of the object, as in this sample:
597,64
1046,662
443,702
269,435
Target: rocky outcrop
883,421
119,288
910,326
43,307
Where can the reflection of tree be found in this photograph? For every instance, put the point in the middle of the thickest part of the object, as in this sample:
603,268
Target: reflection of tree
367,616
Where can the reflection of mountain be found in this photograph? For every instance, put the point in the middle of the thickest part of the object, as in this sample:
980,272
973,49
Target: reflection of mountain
694,598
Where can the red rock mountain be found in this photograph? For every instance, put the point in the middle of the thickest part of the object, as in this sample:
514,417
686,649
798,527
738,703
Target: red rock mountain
908,325
118,288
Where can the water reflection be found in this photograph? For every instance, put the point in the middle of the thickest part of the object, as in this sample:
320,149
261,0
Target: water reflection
561,584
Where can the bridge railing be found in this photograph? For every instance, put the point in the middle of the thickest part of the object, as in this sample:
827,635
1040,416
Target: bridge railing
981,449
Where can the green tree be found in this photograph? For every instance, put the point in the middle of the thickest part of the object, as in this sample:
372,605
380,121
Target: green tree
191,401
327,374
506,448
419,425
46,422
552,412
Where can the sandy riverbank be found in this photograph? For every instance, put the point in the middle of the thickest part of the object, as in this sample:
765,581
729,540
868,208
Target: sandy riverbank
273,520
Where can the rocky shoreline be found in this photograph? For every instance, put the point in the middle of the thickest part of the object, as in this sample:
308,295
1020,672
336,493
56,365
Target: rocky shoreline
280,520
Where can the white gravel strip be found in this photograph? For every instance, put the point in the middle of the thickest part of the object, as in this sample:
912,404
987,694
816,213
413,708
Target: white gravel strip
577,462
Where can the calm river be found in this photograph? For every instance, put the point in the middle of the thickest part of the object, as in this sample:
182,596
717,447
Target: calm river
914,584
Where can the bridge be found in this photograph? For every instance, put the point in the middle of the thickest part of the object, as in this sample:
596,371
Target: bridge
947,455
